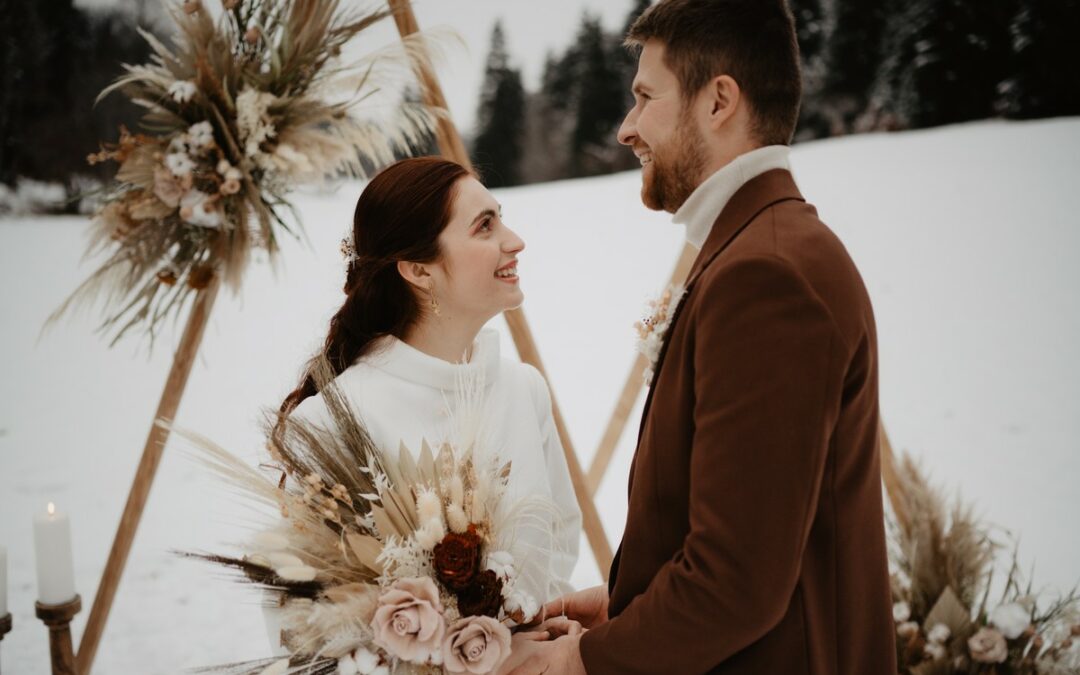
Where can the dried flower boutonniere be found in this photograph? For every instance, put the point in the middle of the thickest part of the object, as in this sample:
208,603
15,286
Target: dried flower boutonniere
651,330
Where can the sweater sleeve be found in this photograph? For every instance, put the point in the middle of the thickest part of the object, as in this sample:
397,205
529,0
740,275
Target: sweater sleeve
768,366
567,529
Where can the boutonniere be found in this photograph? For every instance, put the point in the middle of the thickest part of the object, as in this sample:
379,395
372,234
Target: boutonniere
651,329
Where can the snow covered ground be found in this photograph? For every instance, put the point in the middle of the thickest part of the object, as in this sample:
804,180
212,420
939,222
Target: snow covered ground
964,236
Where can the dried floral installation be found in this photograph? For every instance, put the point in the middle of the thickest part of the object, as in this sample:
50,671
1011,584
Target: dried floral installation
408,566
240,109
943,562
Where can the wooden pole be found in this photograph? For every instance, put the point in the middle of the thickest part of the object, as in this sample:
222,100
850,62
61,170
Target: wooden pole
451,147
630,391
144,475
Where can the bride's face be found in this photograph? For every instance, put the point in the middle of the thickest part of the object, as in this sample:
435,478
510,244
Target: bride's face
476,276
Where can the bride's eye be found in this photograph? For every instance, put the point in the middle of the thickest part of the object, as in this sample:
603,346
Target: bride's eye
485,226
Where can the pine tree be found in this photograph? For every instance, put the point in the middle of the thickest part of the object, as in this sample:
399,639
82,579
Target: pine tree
1044,80
809,27
945,60
852,58
501,118
810,31
599,102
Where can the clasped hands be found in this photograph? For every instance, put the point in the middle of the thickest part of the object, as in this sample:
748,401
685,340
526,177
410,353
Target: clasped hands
552,644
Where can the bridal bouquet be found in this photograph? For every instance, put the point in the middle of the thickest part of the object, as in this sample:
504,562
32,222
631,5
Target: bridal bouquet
943,566
239,110
406,566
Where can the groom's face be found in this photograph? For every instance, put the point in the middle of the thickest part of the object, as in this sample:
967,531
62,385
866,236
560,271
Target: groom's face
662,132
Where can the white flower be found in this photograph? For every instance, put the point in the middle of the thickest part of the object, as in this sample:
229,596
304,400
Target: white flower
939,633
198,209
182,91
366,661
233,174
501,563
270,540
428,506
253,121
457,490
1011,619
907,629
223,166
652,329
934,651
431,533
520,600
297,573
346,665
179,163
201,135
456,518
901,612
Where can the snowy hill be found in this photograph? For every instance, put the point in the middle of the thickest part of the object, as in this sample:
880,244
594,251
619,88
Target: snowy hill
963,234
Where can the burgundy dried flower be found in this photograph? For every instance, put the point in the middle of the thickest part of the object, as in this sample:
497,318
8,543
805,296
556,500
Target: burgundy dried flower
483,597
457,558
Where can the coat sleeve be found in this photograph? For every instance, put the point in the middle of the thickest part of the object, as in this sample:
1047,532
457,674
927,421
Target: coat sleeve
768,366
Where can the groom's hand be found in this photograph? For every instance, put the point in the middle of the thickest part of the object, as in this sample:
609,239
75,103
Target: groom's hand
588,607
561,657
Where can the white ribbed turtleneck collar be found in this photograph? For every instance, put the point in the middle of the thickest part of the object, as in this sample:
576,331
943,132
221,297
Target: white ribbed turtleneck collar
704,205
399,359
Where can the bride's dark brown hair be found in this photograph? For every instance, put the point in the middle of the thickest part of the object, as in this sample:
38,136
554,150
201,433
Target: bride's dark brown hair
398,217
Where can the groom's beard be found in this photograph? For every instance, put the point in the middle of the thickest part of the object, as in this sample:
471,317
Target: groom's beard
676,171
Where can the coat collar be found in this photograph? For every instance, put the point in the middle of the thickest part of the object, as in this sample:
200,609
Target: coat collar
755,196
705,203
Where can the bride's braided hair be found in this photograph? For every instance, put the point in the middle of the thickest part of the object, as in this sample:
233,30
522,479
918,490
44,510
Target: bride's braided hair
399,216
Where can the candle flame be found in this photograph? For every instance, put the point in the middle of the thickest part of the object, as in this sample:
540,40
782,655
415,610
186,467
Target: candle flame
52,508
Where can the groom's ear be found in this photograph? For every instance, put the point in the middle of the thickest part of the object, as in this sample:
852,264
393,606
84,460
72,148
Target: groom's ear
722,95
415,273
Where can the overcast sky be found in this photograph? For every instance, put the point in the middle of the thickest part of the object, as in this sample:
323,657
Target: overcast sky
532,29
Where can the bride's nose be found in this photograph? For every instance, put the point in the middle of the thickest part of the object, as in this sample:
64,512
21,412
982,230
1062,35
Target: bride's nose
513,243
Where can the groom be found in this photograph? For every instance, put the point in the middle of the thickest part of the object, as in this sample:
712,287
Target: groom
754,541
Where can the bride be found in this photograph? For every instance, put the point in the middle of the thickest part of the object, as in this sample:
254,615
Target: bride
430,263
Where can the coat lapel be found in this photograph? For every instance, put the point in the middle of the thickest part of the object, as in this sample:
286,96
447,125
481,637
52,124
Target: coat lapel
751,199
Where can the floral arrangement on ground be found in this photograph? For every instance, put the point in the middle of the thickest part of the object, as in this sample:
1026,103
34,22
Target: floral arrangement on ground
943,562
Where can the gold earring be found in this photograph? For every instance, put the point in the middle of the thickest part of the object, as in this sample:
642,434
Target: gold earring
434,302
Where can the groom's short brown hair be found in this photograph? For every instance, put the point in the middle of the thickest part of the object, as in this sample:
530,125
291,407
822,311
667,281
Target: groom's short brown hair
752,41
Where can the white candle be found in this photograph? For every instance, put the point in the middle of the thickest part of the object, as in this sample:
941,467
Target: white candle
3,581
52,545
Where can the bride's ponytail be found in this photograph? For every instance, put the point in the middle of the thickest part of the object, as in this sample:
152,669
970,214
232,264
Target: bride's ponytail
398,217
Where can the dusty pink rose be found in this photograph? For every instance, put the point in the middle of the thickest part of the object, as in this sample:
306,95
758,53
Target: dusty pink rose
988,646
476,644
408,622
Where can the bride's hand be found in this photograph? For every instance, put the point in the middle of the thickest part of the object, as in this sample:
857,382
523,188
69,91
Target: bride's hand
558,626
587,607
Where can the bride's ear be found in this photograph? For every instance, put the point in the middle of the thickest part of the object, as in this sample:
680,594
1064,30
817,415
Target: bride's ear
416,274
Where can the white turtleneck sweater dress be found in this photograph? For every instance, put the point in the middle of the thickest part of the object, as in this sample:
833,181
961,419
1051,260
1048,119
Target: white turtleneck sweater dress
406,396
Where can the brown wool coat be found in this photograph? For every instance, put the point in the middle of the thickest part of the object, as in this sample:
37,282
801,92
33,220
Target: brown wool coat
754,541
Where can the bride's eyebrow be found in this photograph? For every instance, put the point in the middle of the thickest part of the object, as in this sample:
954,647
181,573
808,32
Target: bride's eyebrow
487,213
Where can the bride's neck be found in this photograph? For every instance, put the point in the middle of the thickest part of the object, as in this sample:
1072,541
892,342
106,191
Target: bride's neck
444,338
